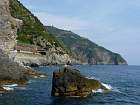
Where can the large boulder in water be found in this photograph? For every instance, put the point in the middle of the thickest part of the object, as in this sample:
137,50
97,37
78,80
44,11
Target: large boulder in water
69,82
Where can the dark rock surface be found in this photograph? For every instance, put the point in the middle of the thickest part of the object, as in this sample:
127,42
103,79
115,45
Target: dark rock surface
10,70
14,72
69,82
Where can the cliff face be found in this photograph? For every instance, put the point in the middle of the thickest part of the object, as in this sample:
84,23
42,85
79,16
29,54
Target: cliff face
8,27
67,47
51,57
9,70
32,32
85,50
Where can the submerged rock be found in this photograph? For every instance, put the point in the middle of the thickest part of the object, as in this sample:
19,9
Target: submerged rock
69,82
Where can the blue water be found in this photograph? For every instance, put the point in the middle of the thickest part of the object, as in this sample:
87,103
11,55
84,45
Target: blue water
125,81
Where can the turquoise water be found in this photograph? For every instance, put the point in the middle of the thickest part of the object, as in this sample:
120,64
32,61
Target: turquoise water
125,82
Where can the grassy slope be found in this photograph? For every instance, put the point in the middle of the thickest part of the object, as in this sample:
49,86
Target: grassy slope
31,27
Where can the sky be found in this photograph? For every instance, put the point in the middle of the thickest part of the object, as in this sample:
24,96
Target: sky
113,24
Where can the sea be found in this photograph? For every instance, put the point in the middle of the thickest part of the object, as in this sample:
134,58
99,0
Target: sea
123,80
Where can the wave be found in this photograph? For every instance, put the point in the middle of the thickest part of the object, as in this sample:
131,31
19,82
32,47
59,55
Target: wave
21,88
115,89
109,87
98,91
9,87
41,76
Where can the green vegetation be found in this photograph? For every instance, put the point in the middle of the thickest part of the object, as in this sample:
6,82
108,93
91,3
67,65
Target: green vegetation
32,27
84,49
33,32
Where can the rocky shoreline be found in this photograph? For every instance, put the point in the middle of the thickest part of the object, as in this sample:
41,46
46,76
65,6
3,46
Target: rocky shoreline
38,47
11,72
29,73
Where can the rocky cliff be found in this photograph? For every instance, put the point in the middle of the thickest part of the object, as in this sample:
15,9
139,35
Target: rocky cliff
51,57
55,46
85,50
9,70
33,33
8,27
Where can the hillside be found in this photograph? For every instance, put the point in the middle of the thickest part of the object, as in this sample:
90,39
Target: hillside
57,46
32,30
46,48
84,49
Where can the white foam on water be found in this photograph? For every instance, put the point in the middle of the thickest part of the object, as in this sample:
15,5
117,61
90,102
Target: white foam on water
21,88
115,89
98,91
42,76
9,87
109,87
35,76
65,65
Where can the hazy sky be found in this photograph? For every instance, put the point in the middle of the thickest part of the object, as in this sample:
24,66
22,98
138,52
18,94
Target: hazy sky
114,24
